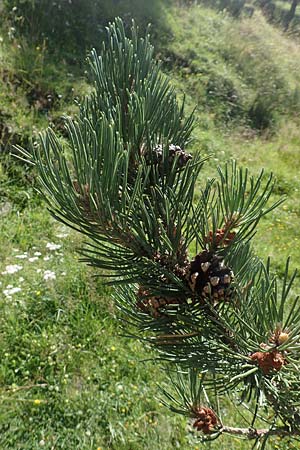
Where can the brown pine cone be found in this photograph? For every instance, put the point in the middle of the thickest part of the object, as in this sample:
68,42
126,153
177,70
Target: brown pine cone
174,151
209,278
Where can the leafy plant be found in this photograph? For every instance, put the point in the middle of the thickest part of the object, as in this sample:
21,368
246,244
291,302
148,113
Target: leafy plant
184,274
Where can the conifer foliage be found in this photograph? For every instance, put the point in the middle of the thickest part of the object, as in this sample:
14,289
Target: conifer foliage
181,265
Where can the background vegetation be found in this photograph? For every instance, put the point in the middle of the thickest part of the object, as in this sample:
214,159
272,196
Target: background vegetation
67,379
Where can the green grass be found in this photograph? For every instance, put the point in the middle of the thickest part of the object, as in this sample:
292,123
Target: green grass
68,379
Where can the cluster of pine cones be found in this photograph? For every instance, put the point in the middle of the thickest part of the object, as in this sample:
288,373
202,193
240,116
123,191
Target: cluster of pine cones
206,277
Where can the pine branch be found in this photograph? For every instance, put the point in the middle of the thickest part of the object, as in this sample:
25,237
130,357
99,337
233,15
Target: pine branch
124,179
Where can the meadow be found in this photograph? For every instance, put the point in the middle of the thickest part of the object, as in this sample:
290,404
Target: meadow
69,378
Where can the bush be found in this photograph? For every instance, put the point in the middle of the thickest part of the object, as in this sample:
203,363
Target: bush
222,96
261,113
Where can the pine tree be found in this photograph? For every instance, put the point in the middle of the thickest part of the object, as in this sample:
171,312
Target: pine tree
175,247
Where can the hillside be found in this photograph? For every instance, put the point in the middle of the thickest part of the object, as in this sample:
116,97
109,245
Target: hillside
244,80
67,379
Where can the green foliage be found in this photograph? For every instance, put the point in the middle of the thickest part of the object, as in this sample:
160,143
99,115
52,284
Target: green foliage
121,139
35,91
261,113
233,7
78,25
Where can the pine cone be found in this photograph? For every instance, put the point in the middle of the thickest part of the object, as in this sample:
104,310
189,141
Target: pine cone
153,304
179,268
206,420
209,278
225,235
183,157
174,151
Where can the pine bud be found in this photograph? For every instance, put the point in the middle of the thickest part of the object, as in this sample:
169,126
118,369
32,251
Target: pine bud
279,336
268,361
222,237
282,338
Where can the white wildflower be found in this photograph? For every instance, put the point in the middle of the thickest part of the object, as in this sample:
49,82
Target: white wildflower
21,279
37,253
33,258
11,290
24,256
52,247
46,258
38,270
49,275
62,235
12,268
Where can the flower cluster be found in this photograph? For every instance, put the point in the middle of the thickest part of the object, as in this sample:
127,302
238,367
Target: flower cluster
40,256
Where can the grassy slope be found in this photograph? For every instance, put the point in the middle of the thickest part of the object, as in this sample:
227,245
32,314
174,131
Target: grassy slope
35,90
67,379
204,34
